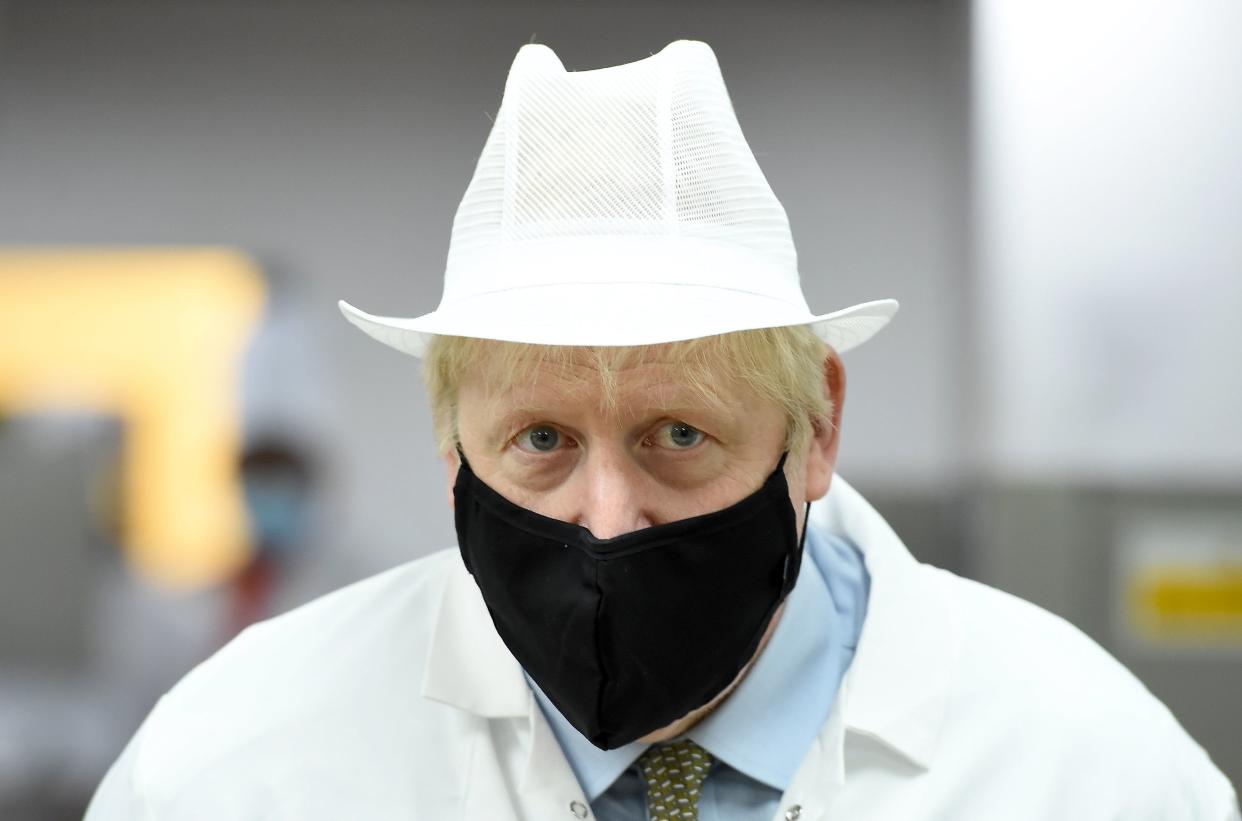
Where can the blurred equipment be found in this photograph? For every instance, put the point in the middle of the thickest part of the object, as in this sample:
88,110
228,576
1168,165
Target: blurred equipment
154,337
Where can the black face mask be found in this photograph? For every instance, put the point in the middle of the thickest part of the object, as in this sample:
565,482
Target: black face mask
627,635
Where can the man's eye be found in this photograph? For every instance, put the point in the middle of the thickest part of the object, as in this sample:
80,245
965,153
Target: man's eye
538,439
678,436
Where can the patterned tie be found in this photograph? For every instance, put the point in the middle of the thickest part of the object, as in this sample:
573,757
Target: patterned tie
674,774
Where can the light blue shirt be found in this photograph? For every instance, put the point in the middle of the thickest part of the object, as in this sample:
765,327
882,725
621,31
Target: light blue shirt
761,732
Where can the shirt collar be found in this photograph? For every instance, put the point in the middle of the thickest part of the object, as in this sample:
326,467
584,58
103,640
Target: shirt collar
765,726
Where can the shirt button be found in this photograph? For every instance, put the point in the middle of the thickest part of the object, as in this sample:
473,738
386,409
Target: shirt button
793,813
578,809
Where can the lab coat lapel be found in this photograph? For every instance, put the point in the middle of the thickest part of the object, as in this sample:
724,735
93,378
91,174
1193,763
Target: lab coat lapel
897,687
469,667
821,775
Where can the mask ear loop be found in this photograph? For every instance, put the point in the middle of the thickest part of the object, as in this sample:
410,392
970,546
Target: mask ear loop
794,559
806,525
806,514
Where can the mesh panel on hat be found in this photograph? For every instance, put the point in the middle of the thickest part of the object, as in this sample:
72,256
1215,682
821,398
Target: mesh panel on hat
477,222
720,188
648,148
587,153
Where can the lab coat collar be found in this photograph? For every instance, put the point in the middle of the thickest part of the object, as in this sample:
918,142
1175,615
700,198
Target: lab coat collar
468,666
897,687
894,692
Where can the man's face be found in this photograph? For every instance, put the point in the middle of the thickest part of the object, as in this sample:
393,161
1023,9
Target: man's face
657,454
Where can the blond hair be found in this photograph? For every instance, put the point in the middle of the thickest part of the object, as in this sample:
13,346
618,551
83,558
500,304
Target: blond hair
782,365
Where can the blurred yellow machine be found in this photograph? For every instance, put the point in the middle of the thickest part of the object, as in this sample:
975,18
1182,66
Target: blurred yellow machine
154,337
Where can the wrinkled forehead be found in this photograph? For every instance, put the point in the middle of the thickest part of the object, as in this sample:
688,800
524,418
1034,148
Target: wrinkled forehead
610,380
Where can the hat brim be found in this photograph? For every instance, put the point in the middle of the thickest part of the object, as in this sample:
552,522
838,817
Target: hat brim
617,314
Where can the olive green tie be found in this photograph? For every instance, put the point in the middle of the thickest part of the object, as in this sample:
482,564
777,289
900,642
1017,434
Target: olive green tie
674,776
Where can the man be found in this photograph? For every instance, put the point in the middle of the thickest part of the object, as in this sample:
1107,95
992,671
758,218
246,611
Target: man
641,618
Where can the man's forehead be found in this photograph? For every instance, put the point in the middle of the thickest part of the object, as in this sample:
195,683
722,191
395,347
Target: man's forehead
627,381
627,395
647,386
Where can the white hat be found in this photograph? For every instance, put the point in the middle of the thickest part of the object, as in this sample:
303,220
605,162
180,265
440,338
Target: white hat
619,206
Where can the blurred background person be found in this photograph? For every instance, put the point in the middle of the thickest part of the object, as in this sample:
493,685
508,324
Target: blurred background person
277,480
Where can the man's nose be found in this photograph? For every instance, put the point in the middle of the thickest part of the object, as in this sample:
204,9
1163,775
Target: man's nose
613,498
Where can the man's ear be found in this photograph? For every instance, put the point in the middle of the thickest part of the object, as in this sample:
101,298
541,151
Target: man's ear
821,458
451,464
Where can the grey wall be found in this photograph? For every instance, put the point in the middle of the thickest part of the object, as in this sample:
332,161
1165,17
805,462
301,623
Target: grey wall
1110,149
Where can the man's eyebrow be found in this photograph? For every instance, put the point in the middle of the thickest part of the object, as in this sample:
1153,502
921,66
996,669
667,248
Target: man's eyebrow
503,417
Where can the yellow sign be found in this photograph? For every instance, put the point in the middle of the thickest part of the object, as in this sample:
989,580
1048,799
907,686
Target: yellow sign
154,337
1182,578
1178,601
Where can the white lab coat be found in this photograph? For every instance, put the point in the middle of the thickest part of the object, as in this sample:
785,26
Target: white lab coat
395,699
